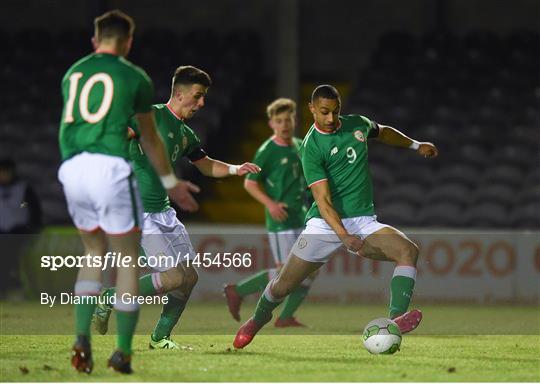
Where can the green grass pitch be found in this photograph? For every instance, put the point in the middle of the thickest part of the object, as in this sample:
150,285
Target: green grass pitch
454,343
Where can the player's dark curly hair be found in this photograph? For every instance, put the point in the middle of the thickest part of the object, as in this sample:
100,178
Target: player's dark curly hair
114,24
325,91
188,75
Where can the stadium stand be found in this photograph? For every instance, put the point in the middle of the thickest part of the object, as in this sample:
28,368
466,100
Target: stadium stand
32,102
477,96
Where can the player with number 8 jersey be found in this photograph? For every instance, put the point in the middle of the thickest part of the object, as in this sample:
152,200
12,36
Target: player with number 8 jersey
179,140
162,233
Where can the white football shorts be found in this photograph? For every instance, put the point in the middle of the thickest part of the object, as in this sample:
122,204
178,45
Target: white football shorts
101,193
165,241
318,241
281,244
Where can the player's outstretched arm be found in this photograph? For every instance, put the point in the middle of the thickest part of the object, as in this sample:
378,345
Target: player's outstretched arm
393,137
277,210
215,168
323,198
178,190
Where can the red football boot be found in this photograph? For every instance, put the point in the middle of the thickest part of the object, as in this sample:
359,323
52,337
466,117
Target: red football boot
234,300
81,355
120,362
408,321
288,322
246,333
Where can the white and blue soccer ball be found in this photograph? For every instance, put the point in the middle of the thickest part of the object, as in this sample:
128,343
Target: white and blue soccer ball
382,337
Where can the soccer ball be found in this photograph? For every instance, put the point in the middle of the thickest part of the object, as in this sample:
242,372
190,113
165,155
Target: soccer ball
382,336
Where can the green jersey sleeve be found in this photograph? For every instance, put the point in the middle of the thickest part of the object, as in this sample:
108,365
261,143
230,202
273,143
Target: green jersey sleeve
313,162
258,159
193,144
133,128
369,127
145,94
365,124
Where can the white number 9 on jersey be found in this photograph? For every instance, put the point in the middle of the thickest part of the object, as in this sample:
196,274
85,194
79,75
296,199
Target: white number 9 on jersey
351,155
108,91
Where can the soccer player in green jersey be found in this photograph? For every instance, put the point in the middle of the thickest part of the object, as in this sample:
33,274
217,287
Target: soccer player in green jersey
162,233
334,159
281,188
101,92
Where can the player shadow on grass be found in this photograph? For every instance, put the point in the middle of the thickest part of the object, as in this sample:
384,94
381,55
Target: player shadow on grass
322,359
236,352
295,358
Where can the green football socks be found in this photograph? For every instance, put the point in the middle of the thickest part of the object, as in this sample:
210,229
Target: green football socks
263,311
254,283
147,286
88,292
293,301
83,318
169,317
401,288
126,323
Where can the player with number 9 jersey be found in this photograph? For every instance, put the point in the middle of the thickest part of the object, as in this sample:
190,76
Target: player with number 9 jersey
341,160
335,164
281,188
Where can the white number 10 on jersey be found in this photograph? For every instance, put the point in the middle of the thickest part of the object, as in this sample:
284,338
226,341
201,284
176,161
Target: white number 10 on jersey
106,101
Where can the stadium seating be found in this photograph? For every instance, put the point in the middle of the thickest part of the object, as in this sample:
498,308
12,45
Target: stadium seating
477,96
32,104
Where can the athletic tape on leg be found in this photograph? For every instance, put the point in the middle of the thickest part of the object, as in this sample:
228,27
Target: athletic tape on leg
406,271
156,282
272,273
269,295
126,306
87,288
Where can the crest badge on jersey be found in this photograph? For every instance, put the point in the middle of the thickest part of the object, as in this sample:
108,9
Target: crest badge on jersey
184,142
359,135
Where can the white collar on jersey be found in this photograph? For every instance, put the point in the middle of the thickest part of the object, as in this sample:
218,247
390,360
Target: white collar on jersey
171,110
327,133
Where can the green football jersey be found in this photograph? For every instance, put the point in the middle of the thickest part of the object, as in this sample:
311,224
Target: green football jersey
282,179
341,158
101,93
179,141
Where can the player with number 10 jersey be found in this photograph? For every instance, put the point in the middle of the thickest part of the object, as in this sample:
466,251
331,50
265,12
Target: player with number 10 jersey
112,90
101,92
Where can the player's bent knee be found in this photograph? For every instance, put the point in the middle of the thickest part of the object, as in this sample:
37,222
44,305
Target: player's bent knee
409,253
191,278
281,288
179,294
313,275
172,279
